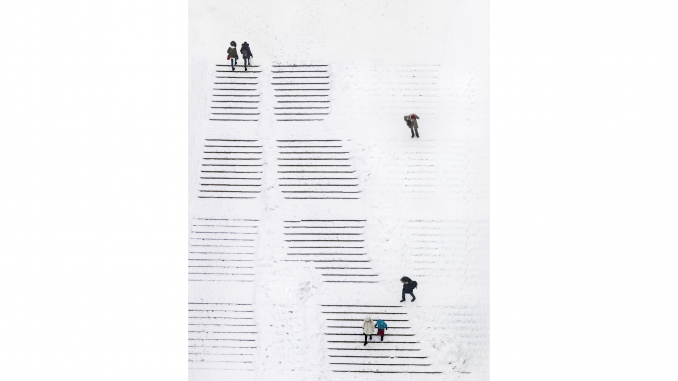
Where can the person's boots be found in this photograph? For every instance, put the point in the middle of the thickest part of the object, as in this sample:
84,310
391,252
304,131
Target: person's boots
382,338
417,133
232,68
370,337
414,298
402,300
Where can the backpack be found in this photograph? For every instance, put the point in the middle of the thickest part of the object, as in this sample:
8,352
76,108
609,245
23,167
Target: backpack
414,284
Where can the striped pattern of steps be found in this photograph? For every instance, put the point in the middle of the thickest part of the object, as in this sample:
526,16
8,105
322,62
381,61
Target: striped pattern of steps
316,170
222,250
400,351
236,94
395,91
336,247
438,248
221,336
420,169
301,92
231,169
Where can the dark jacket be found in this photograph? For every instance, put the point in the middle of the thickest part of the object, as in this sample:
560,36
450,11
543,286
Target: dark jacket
407,120
245,50
409,286
232,52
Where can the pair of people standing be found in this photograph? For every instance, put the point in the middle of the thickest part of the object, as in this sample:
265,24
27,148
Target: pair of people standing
233,54
369,326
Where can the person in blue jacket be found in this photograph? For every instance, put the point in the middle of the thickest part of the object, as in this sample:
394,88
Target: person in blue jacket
380,326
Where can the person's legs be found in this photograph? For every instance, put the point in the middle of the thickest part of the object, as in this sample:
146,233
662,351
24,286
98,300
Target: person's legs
245,62
232,67
413,297
412,130
403,299
416,131
365,340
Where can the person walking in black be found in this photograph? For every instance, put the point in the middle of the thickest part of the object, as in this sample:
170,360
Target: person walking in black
246,54
408,287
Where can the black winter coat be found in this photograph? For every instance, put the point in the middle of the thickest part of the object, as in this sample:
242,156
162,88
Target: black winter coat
245,50
409,286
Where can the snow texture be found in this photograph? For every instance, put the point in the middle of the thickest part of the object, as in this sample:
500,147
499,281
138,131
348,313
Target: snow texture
301,225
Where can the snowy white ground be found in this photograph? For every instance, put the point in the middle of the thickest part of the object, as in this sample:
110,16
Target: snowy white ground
276,274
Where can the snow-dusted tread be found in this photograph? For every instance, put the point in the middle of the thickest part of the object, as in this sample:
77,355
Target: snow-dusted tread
301,81
221,346
302,239
297,65
241,163
351,356
222,250
438,248
316,183
236,88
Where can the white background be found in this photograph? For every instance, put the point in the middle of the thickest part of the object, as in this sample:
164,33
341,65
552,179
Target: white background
583,190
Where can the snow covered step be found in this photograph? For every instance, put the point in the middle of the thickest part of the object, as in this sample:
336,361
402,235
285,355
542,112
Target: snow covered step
222,336
302,92
437,248
222,250
336,246
355,327
390,366
219,364
316,169
231,169
229,65
236,72
400,352
235,95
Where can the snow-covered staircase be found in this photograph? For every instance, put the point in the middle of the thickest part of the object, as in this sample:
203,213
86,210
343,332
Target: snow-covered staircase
337,248
236,94
400,351
222,250
316,169
231,168
221,336
302,92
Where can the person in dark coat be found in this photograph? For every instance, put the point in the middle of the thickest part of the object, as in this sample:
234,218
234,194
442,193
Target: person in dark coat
409,124
233,55
246,53
408,287
411,121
